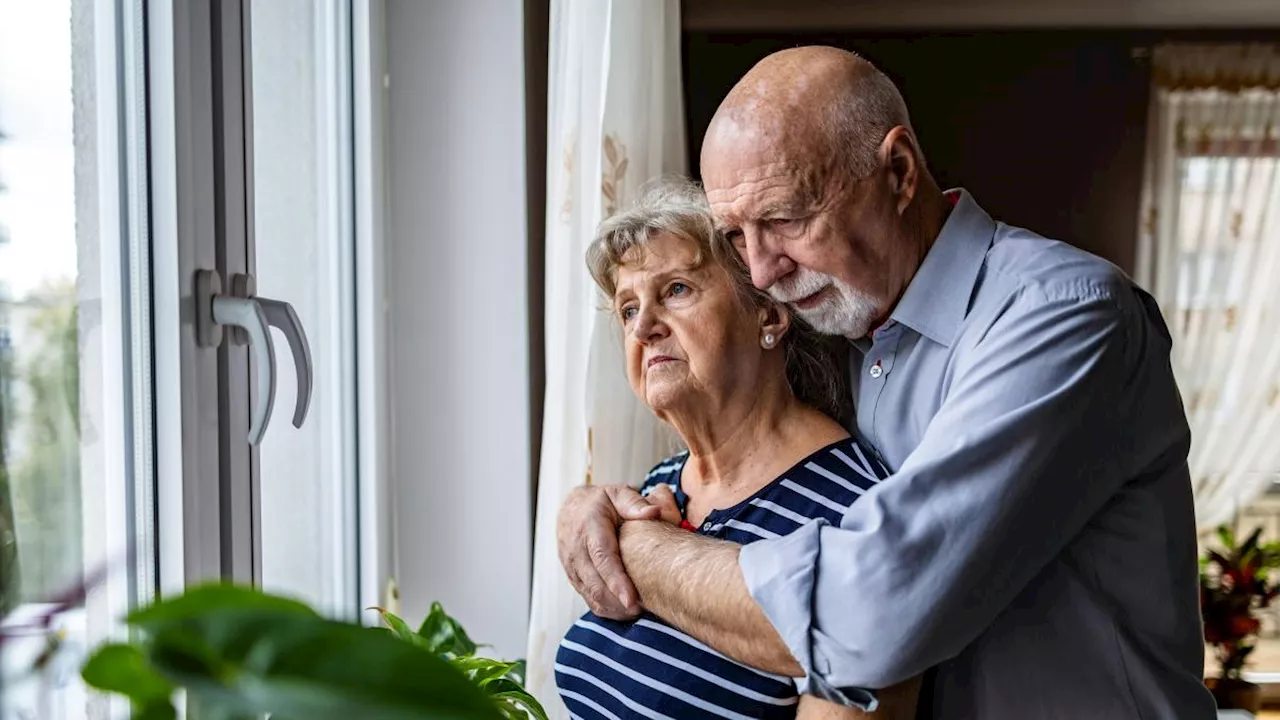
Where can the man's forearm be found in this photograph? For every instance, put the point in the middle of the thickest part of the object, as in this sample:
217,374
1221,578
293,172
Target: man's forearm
694,583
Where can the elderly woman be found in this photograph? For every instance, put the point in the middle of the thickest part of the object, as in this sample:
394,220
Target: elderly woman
754,395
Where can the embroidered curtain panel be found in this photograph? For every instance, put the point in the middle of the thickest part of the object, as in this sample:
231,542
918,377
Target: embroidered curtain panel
1209,250
615,121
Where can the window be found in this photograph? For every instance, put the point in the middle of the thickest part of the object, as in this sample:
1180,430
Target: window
75,420
1225,291
128,167
303,253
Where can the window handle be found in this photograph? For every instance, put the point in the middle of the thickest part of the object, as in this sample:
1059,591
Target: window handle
247,313
253,316
280,314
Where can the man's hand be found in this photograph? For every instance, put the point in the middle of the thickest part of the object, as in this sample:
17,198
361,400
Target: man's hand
587,539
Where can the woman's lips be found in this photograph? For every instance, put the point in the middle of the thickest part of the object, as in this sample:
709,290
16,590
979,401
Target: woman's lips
658,359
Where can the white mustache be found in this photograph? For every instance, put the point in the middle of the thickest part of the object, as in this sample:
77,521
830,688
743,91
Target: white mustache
799,285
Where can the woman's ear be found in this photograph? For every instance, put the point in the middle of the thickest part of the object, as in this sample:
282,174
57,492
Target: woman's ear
775,321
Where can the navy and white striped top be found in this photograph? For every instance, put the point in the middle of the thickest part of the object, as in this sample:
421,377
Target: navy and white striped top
647,669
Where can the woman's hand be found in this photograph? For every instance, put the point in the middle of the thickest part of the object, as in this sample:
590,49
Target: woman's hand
664,499
896,703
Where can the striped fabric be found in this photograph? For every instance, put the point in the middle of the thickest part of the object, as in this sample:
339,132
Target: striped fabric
646,669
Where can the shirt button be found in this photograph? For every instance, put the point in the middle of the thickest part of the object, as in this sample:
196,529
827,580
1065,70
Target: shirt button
876,370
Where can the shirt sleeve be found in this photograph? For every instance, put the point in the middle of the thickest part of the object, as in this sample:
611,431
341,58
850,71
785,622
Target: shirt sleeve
1026,447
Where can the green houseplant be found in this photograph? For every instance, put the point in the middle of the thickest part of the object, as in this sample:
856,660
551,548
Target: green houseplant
501,681
241,653
1235,585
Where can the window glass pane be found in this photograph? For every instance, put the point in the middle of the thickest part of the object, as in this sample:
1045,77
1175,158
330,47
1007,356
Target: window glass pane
40,441
66,379
1229,233
303,255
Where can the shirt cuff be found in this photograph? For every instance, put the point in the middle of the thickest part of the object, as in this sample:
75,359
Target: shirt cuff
780,575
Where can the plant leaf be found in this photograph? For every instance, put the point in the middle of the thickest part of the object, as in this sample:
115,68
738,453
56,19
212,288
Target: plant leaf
482,671
199,601
240,653
122,669
519,672
444,634
522,699
1252,541
1219,558
512,711
401,629
157,710
322,670
243,652
504,685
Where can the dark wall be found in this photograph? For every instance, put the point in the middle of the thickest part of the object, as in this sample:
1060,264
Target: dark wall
537,17
1046,129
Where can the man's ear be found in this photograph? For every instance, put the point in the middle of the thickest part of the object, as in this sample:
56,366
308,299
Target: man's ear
775,321
900,154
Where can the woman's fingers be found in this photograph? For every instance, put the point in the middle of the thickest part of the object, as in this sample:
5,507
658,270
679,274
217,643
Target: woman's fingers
664,499
629,504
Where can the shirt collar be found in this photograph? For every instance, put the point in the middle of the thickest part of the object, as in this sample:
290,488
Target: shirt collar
937,298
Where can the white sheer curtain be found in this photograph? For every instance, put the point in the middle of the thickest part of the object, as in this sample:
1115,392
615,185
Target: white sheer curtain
615,121
1209,250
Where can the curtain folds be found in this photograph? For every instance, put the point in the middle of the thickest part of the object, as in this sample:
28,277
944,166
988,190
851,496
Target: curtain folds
615,121
1209,250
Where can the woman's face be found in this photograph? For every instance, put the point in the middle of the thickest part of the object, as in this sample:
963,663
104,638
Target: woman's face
690,342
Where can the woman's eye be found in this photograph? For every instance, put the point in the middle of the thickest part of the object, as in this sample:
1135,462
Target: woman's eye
627,313
783,222
678,289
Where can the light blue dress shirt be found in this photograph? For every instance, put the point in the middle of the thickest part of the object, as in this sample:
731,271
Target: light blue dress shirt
1036,542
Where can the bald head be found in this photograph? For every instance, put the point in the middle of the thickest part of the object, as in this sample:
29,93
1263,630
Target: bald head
817,102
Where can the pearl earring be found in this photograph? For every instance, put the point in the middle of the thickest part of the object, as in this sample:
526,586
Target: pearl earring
768,340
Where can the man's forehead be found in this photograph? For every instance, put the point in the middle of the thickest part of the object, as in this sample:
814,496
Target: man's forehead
734,195
729,180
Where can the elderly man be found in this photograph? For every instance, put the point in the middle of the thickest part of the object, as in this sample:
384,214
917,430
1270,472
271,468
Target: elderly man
1034,550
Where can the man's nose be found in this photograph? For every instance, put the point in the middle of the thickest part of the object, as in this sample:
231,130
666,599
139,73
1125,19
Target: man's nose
768,264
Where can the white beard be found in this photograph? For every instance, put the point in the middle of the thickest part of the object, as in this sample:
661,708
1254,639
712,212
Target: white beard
844,310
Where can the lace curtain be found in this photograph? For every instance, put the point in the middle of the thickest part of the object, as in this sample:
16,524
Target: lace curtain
615,121
1209,250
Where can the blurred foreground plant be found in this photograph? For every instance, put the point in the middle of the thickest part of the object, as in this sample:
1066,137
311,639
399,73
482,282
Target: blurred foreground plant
240,653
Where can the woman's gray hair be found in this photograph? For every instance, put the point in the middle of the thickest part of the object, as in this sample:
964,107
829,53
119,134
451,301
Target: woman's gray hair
816,364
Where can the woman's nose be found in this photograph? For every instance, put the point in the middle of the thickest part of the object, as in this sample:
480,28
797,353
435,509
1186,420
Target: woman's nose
649,326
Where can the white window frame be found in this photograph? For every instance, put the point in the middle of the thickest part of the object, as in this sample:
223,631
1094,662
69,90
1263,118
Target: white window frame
377,557
204,505
202,189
